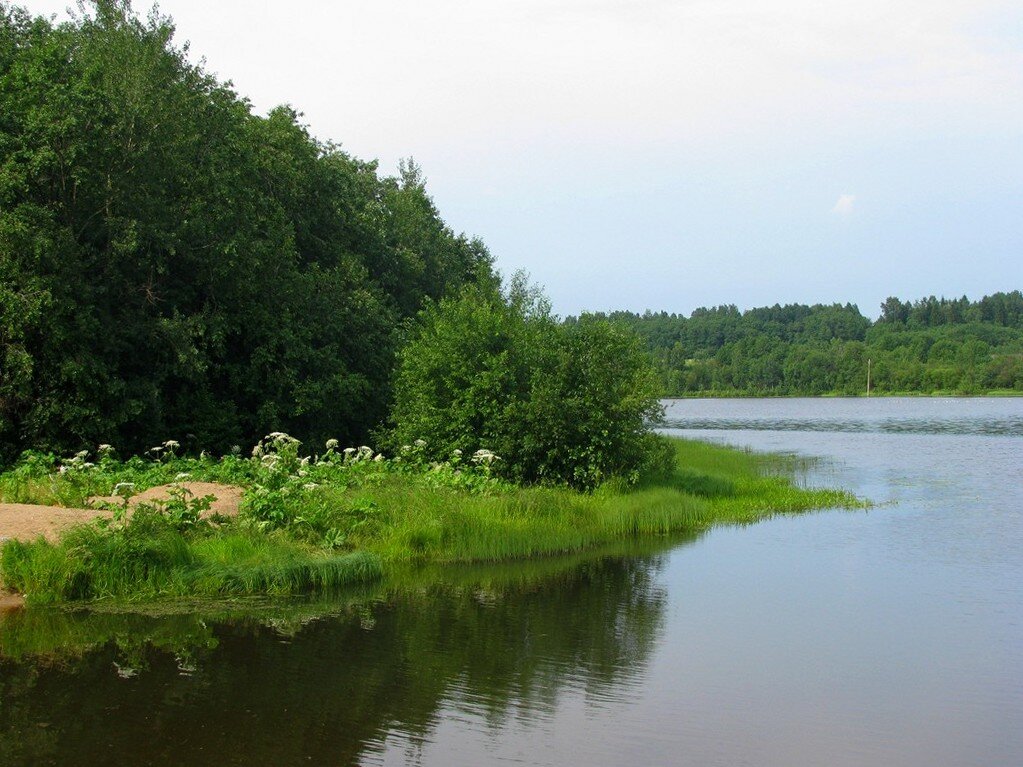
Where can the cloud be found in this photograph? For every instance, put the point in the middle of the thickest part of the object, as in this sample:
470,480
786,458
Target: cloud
844,205
599,75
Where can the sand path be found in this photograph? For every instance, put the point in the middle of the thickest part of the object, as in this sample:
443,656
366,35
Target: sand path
26,521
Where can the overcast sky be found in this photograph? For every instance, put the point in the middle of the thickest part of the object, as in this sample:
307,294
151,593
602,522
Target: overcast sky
670,155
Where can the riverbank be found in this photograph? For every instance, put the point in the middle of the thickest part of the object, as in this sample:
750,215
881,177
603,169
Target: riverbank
344,517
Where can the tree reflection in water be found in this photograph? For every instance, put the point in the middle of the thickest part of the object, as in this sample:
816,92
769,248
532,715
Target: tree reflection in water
322,683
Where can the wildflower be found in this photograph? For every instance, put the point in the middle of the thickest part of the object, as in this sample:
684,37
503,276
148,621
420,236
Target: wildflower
105,448
456,453
348,451
172,444
332,444
379,458
62,470
257,451
304,461
420,443
124,489
157,449
181,476
310,486
87,465
484,456
81,455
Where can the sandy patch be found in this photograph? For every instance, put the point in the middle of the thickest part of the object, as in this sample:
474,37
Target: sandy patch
26,521
10,602
227,498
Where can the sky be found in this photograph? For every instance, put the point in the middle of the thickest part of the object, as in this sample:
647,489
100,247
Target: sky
667,155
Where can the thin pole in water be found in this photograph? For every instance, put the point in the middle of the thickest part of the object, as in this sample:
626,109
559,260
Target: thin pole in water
868,376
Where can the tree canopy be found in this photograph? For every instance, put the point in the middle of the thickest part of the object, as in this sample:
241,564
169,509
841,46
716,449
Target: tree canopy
565,403
173,264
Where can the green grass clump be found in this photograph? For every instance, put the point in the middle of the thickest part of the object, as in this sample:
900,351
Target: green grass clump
91,563
342,518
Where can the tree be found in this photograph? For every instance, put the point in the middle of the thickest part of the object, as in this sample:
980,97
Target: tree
173,264
565,403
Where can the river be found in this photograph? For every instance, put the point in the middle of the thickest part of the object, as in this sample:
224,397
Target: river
891,636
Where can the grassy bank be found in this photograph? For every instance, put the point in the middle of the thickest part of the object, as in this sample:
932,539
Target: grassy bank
344,517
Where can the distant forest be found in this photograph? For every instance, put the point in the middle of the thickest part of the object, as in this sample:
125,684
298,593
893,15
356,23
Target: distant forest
927,346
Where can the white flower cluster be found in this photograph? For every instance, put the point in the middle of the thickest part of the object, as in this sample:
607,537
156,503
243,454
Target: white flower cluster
124,490
77,462
169,447
273,443
356,454
485,457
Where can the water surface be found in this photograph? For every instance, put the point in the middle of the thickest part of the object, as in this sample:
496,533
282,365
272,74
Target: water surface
892,636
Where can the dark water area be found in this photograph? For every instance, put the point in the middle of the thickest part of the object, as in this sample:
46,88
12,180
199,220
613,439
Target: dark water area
326,682
892,636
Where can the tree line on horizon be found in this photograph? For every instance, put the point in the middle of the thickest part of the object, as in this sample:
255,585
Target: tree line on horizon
924,346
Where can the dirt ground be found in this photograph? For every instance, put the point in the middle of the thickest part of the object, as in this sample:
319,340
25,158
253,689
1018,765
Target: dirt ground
10,602
26,521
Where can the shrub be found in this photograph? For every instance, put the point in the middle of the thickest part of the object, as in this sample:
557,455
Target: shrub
557,403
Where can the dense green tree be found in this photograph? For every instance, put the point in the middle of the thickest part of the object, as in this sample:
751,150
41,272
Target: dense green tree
172,264
556,402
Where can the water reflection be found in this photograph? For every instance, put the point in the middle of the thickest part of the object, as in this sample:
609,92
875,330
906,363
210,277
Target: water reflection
320,683
890,636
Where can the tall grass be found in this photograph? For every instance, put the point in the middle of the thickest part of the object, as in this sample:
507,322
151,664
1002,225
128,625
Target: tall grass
356,521
91,563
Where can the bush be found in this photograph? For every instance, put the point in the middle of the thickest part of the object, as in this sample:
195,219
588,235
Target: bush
558,403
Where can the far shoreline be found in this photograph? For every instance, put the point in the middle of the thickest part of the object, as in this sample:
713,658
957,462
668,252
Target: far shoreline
998,394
